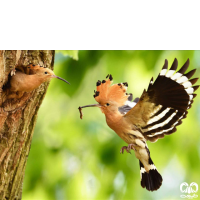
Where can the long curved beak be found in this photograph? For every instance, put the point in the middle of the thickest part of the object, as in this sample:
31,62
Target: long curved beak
54,76
91,105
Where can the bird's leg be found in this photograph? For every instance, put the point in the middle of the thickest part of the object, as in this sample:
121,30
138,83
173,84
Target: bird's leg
127,148
124,148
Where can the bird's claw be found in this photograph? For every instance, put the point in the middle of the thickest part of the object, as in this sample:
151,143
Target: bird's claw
124,148
12,72
127,148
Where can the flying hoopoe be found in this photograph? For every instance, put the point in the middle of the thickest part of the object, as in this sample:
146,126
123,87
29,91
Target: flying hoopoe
152,116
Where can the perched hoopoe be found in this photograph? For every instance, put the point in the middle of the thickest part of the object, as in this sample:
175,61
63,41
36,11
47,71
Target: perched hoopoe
156,113
28,79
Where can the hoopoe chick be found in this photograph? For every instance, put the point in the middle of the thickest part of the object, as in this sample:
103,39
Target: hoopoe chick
21,82
152,116
32,69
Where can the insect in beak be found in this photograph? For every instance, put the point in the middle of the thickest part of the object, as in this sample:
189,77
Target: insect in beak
91,105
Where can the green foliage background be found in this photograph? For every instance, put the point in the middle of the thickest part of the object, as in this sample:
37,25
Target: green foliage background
79,159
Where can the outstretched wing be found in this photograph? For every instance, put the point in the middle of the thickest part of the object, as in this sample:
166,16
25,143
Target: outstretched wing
163,106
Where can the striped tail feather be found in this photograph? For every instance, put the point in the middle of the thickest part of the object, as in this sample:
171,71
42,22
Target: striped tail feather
151,180
173,94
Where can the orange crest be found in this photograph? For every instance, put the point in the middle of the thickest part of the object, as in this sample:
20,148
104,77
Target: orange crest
107,92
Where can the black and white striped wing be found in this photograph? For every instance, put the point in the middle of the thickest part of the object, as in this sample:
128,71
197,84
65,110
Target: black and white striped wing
163,106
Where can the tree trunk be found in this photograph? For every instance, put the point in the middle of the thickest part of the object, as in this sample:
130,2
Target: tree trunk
17,120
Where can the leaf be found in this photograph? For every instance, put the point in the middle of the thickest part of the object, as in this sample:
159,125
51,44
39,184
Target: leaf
75,74
71,53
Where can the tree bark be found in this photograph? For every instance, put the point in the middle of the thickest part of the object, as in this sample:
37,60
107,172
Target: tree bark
17,120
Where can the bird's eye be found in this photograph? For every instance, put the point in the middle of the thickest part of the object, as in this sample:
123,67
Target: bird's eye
107,104
46,72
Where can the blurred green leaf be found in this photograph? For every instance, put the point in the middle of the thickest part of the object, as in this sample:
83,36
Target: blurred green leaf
72,53
74,71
